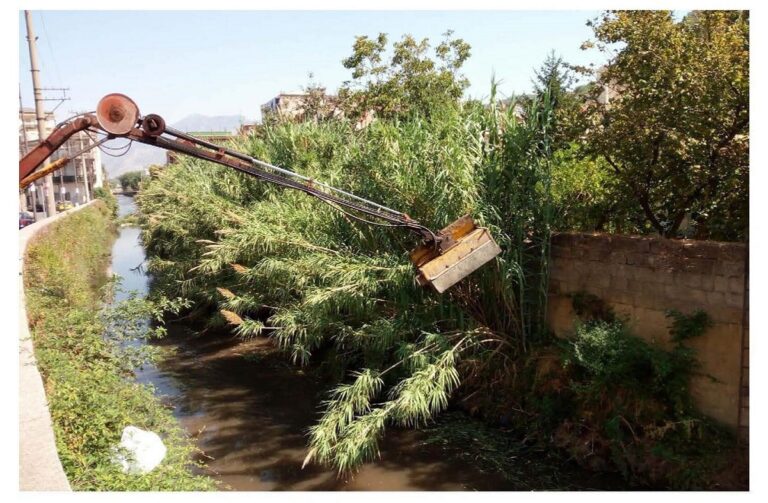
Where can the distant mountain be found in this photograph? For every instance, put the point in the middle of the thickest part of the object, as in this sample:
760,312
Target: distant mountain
140,156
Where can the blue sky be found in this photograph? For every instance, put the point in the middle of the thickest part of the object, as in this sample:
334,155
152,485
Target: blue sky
229,62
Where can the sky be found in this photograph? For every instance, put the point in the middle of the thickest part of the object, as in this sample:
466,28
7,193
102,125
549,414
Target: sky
231,62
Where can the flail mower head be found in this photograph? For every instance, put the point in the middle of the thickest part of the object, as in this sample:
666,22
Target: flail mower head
463,248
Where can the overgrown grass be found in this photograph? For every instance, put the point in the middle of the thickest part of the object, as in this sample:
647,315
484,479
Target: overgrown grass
630,401
105,194
321,285
87,378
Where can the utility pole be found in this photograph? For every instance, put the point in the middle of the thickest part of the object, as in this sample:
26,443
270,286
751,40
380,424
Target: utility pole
32,191
39,109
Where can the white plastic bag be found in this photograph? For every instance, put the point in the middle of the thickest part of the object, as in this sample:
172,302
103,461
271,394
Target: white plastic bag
145,450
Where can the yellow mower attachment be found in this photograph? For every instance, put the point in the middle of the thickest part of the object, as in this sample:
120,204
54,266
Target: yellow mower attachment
464,247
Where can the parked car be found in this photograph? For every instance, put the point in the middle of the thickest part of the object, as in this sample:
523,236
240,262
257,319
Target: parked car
25,218
64,206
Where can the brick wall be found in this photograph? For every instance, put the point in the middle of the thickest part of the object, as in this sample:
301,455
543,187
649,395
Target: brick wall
640,278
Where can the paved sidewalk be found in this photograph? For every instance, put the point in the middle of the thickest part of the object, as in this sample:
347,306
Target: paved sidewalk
39,465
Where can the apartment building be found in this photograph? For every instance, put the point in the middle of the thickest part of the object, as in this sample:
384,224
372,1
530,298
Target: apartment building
76,181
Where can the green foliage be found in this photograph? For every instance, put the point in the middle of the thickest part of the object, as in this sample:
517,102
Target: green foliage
685,327
614,402
554,80
676,130
129,220
581,191
316,105
85,362
135,318
605,357
131,180
322,286
405,80
517,197
632,400
105,194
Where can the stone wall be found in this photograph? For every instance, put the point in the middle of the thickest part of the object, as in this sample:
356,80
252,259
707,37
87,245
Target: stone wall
640,278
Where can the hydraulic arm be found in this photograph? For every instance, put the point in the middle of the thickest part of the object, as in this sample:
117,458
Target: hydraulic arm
443,259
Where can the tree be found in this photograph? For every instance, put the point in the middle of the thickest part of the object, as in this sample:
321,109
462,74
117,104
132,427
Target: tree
317,105
553,82
555,77
130,180
675,126
406,81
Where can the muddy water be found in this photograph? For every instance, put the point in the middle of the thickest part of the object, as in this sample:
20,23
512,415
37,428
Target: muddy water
249,410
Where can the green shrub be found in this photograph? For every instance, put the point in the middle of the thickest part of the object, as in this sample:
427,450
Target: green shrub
605,357
630,400
105,194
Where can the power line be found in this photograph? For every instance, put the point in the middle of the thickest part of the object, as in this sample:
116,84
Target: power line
50,49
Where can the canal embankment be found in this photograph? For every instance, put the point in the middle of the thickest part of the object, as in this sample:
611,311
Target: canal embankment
39,465
90,390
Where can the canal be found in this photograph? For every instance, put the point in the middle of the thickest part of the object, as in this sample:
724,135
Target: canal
249,410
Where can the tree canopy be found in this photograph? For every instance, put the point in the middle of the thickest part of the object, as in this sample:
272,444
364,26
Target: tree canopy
406,79
130,180
670,115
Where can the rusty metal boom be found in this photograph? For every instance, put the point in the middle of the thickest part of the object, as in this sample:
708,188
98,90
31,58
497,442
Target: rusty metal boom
442,260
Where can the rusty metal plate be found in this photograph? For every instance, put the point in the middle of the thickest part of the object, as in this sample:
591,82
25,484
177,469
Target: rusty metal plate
450,236
117,113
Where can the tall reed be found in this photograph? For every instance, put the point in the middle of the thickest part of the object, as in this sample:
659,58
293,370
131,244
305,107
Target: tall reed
279,263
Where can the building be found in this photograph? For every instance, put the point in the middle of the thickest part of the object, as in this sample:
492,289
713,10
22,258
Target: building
77,179
218,137
316,106
285,106
28,139
607,94
296,106
28,129
608,90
